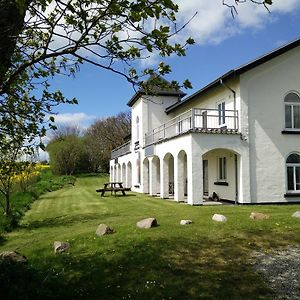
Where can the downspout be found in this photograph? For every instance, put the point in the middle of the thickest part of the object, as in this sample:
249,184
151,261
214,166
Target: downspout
235,127
234,100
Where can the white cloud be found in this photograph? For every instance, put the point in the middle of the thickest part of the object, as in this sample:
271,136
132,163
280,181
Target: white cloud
74,119
214,22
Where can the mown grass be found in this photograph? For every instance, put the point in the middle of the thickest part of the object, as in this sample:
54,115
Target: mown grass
204,260
21,201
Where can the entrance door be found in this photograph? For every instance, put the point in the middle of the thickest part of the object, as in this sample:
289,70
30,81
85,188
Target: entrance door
205,177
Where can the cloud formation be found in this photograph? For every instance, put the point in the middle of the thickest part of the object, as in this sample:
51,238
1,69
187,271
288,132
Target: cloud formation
214,22
74,118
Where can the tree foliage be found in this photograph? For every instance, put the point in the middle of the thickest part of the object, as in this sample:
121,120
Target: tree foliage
68,153
103,136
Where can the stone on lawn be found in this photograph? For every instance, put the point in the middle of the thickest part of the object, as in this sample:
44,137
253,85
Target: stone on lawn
296,214
219,218
103,229
12,257
60,247
258,216
186,222
147,223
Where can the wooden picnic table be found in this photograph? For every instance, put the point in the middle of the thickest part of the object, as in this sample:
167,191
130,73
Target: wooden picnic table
113,187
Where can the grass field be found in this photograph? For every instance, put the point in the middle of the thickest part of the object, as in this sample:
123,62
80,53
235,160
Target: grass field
204,260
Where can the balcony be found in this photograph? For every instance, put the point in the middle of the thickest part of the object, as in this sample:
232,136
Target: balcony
122,150
196,120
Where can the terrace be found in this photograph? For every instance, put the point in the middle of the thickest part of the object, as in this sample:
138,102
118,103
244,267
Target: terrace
195,120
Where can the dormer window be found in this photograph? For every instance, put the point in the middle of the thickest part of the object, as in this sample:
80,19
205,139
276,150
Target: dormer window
292,111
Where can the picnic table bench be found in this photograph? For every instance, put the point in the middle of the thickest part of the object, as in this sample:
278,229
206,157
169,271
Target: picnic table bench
113,187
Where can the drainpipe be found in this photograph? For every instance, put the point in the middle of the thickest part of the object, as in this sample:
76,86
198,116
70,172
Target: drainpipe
234,100
235,127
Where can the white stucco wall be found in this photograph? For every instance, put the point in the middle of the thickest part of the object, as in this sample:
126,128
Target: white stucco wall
262,92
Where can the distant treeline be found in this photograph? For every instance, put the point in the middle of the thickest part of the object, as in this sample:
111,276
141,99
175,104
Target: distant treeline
71,151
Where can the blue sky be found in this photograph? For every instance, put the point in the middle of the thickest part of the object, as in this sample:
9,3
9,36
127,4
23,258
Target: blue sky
223,43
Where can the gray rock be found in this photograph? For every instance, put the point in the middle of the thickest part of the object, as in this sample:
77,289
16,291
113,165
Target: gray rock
296,214
219,218
186,222
12,257
60,247
103,229
258,216
147,223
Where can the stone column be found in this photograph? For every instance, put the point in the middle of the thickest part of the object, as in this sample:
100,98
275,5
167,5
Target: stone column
178,178
195,178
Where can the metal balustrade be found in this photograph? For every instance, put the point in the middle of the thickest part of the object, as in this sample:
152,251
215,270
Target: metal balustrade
196,119
122,150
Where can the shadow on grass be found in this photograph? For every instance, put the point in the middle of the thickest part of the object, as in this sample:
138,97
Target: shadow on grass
151,269
64,220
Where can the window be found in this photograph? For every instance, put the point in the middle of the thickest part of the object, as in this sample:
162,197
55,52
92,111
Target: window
221,168
221,113
293,172
137,128
292,111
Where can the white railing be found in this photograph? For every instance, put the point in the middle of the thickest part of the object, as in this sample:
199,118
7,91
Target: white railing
195,119
122,150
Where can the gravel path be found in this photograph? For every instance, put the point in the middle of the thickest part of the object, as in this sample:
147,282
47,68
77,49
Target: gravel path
281,269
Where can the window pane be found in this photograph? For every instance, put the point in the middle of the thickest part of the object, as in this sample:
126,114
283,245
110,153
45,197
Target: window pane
290,178
224,168
297,178
296,116
292,97
293,159
288,116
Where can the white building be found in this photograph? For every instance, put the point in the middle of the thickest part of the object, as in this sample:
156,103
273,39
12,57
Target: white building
237,137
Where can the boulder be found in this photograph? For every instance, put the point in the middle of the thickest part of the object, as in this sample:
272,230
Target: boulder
296,214
186,222
103,229
12,257
258,216
147,223
60,247
219,218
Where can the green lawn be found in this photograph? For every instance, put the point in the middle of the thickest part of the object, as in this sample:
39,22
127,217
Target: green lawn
205,260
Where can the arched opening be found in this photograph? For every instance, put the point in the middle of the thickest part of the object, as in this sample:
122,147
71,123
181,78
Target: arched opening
221,175
111,174
124,173
119,178
154,176
115,177
181,180
129,175
293,173
292,111
146,176
167,188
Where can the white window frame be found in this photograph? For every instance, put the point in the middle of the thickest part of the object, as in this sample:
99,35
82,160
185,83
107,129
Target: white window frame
292,105
294,166
222,168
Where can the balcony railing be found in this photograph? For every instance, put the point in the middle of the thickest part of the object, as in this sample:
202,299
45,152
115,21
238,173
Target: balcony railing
122,150
196,119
